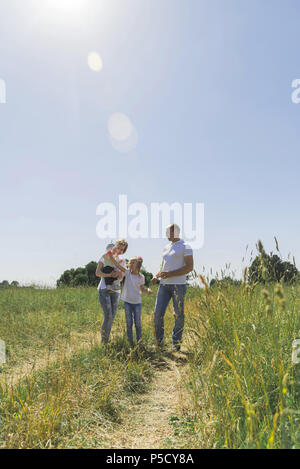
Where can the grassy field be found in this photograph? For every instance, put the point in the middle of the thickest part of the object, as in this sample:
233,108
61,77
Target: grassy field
61,388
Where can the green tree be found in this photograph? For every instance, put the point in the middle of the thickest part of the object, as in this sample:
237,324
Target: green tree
80,276
4,284
225,281
15,284
148,277
271,268
81,279
66,278
87,276
91,273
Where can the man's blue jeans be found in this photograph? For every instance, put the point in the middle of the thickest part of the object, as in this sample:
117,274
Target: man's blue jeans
164,295
109,303
133,313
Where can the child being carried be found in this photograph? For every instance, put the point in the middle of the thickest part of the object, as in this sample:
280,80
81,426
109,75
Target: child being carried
113,284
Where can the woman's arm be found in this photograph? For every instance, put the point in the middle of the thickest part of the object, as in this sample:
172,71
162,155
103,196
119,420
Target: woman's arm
116,264
101,274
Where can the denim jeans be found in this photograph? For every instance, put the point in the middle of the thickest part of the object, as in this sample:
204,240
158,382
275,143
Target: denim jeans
109,303
133,313
164,295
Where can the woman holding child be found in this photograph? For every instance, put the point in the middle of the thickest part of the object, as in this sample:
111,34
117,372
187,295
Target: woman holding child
112,270
109,295
131,295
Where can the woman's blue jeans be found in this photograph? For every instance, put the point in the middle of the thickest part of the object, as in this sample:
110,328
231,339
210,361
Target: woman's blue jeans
133,314
109,303
164,295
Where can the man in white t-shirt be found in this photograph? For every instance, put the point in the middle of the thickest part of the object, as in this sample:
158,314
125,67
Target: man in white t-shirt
177,263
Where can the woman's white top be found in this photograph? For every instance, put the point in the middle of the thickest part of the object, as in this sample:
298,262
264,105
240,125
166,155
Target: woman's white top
106,261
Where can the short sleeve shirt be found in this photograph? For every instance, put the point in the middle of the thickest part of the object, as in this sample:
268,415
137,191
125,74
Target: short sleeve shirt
173,259
131,291
107,262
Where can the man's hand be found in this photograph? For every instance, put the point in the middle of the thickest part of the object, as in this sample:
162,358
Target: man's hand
165,274
155,278
114,274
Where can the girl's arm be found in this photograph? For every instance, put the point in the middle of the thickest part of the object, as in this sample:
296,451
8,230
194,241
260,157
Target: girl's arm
145,290
119,266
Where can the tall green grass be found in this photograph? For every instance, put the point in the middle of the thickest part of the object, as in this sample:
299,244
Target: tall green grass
245,389
73,403
35,320
75,400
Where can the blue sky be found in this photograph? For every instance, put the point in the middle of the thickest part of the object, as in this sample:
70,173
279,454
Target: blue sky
206,84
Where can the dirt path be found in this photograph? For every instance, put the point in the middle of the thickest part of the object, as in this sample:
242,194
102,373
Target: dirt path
147,424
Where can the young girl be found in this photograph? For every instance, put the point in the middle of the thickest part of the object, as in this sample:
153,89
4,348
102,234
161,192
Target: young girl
131,295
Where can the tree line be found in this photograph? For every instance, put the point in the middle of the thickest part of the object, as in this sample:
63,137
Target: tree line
86,276
6,284
265,268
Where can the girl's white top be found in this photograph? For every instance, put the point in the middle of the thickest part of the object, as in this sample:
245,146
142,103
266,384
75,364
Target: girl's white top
131,291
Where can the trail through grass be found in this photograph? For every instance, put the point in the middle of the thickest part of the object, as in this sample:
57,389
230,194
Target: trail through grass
149,421
233,387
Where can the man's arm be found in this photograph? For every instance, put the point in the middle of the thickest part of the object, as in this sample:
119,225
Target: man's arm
186,269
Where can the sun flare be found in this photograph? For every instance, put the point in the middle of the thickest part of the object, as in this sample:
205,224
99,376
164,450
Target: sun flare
66,5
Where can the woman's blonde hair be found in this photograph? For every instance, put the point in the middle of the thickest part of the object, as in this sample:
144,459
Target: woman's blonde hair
122,242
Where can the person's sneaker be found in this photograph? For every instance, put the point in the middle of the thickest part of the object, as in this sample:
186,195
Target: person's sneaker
176,348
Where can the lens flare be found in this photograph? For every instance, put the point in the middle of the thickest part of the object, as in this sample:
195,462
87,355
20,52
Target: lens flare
66,5
95,62
120,126
123,135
